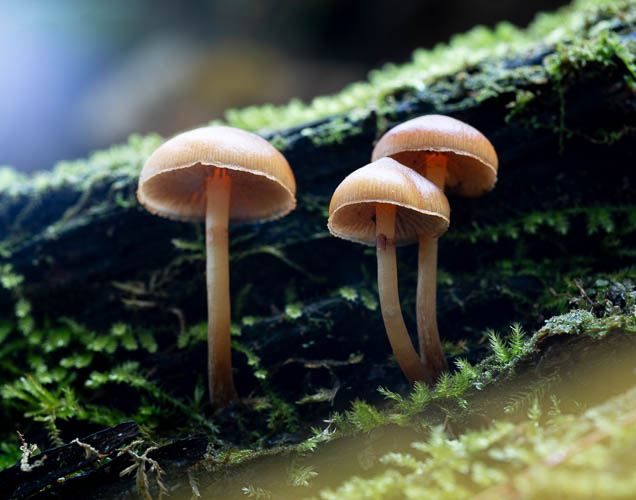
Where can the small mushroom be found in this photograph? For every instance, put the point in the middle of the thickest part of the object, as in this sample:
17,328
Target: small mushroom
455,157
220,175
385,204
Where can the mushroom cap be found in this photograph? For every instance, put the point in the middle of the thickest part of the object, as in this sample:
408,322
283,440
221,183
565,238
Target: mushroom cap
472,160
421,207
173,180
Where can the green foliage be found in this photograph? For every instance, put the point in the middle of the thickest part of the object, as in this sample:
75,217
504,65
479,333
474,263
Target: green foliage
9,452
598,219
369,300
530,395
147,341
318,436
101,166
123,374
282,414
426,66
43,405
59,359
301,475
403,411
571,457
8,278
348,293
512,348
192,335
602,48
364,417
294,311
517,341
333,132
252,359
504,355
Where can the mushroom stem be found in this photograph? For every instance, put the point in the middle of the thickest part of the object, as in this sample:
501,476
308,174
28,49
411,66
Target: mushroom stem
426,312
399,339
427,333
220,382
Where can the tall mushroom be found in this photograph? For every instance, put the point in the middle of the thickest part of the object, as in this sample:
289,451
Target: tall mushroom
220,175
385,204
455,157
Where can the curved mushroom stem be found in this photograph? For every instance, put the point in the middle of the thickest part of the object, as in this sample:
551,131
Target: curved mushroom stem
426,313
220,381
427,333
399,339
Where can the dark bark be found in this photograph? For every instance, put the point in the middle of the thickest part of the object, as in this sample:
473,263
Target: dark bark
107,483
62,461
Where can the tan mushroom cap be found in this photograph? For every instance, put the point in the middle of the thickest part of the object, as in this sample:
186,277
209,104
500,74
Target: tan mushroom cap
173,180
472,160
421,206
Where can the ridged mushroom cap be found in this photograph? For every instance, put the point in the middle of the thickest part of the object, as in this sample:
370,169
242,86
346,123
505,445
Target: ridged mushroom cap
472,160
173,180
421,208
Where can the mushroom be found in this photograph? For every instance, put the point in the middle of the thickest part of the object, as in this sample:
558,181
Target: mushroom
455,157
220,175
385,204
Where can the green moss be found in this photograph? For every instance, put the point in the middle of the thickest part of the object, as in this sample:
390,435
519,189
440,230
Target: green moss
462,51
333,132
123,160
9,279
571,323
60,352
252,359
348,293
581,321
604,50
598,219
294,311
279,142
369,300
568,456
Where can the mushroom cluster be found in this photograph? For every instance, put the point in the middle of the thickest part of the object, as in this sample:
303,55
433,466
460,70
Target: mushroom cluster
218,175
385,204
222,174
459,159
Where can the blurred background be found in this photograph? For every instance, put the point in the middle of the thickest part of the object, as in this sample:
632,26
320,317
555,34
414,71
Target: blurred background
78,75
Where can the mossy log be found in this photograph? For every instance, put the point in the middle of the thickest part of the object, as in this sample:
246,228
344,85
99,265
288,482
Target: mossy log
579,368
98,291
91,253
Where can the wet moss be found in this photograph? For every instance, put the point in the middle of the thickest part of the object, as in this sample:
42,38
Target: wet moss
124,336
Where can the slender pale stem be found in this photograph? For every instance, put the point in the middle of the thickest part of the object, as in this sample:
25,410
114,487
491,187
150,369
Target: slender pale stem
426,302
399,339
427,332
220,381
